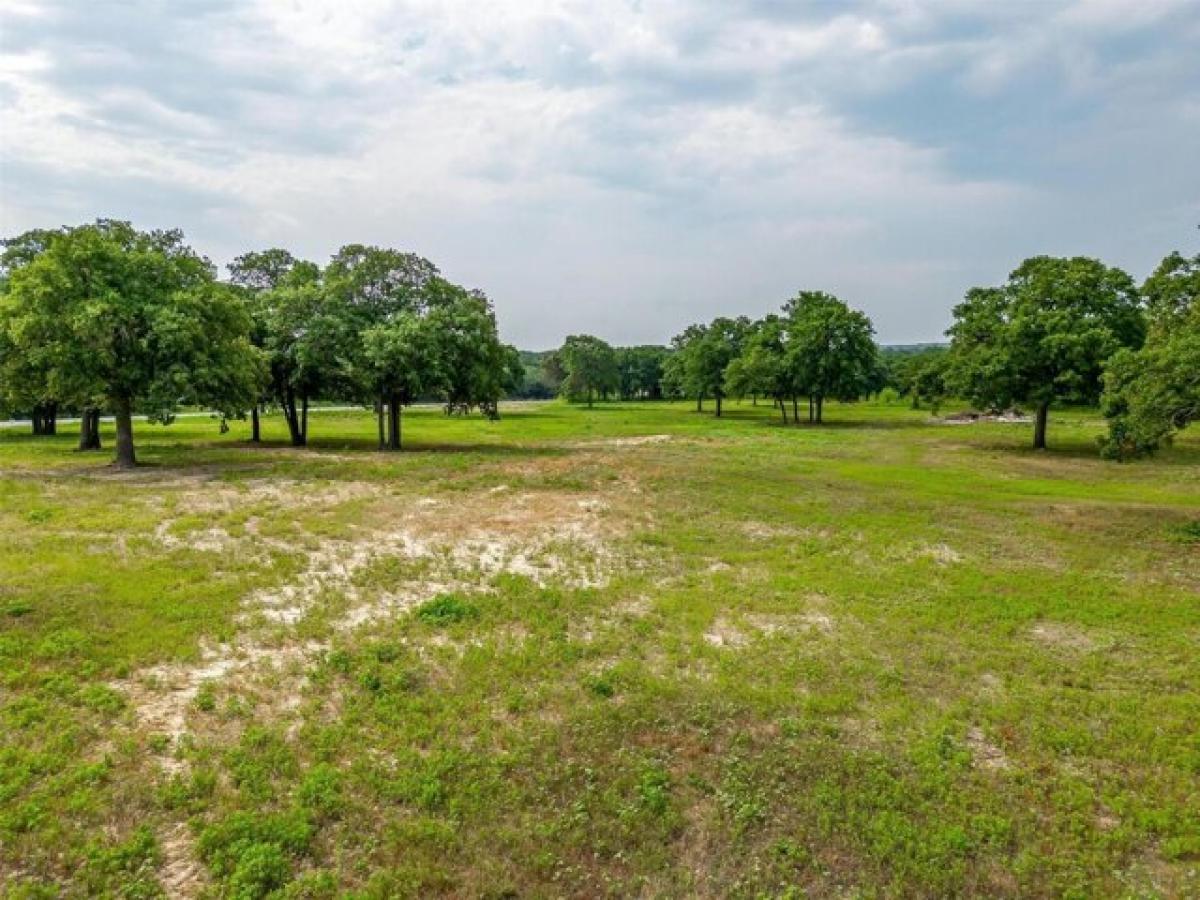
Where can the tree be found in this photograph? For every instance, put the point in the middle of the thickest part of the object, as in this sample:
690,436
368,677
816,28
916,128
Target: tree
590,367
681,376
761,368
476,368
23,377
307,338
640,372
402,360
1151,393
704,352
257,273
831,352
378,282
262,270
552,372
131,320
368,287
920,375
1044,336
927,379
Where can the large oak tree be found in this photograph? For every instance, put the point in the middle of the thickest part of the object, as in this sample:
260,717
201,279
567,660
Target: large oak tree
133,321
1044,336
830,349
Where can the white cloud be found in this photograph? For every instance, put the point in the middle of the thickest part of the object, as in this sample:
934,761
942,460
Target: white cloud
623,167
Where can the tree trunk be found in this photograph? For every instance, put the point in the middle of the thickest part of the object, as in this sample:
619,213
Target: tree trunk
718,398
393,441
44,419
820,410
812,413
1039,427
124,415
699,403
589,398
783,409
89,429
304,420
255,427
379,422
293,419
795,410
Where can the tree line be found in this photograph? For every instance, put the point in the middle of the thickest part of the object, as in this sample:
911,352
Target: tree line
104,317
1058,331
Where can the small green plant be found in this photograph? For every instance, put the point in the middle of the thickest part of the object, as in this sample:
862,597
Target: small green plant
321,790
654,789
127,866
160,743
1187,533
447,609
260,869
206,697
254,852
603,685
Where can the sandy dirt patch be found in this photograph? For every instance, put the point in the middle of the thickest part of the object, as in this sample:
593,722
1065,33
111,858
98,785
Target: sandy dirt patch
987,755
1062,636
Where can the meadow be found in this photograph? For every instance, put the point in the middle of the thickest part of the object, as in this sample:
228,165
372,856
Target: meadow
626,651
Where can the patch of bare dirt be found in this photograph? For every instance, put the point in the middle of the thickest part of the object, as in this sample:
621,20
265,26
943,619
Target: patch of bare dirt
970,417
761,531
1062,636
638,441
801,623
990,683
462,544
942,554
723,633
545,536
181,873
987,755
215,497
206,540
162,695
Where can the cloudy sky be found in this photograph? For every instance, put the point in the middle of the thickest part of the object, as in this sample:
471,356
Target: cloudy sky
622,167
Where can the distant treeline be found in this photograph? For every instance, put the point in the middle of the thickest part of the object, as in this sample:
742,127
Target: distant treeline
1058,331
106,318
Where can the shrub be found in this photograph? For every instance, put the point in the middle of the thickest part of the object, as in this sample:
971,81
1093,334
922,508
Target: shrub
321,790
446,610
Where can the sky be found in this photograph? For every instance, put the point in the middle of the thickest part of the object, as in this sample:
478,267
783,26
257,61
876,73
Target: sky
622,167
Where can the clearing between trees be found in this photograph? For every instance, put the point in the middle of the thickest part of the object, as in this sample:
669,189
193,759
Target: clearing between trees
621,651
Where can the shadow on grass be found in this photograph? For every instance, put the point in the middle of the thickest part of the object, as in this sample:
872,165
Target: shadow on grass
762,416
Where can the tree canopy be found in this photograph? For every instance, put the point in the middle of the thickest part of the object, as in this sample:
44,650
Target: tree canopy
703,353
589,368
830,351
1044,336
1151,393
130,320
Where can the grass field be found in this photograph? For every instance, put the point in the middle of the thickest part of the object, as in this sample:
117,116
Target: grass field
632,651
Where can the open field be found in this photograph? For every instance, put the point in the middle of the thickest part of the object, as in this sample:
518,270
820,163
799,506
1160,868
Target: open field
626,651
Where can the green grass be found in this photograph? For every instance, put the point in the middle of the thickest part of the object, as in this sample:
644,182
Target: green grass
542,657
